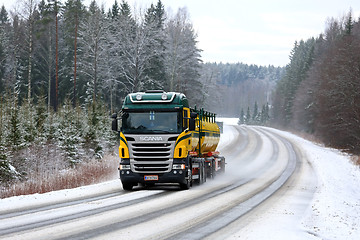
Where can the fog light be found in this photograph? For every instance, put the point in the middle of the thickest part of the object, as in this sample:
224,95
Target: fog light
127,172
124,167
179,166
180,172
175,172
122,172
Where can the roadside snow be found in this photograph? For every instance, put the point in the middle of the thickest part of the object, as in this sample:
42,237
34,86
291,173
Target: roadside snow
24,202
227,136
228,121
335,209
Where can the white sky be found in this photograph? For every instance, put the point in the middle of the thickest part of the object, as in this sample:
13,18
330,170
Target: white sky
258,32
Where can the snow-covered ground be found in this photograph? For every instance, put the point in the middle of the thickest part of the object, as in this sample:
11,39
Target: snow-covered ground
334,212
335,209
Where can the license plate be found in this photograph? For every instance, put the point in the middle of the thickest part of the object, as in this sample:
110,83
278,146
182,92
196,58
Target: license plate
151,178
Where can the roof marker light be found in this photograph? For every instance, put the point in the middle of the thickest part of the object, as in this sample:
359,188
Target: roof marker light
164,96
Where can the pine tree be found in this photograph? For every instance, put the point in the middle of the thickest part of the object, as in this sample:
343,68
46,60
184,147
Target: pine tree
255,113
70,133
264,115
115,10
74,12
2,68
14,139
349,24
40,120
4,20
3,15
155,69
93,134
248,116
27,123
301,59
242,117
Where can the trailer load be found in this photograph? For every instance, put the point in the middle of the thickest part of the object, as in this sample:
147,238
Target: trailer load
163,140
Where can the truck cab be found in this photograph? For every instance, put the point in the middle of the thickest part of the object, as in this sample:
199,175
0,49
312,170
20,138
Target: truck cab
159,139
150,148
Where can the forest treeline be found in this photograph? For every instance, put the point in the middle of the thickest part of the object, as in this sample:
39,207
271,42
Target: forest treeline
240,86
320,91
71,51
65,67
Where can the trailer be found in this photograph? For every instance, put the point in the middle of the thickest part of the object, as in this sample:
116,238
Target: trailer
163,140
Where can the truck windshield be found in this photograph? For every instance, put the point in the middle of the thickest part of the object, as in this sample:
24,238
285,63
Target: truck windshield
151,122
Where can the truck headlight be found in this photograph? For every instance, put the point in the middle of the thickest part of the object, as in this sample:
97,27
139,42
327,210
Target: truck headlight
179,166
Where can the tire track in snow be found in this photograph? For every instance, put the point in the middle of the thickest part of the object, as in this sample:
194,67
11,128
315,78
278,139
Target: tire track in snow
103,221
29,219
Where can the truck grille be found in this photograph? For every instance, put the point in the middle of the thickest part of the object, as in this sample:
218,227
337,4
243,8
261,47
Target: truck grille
151,157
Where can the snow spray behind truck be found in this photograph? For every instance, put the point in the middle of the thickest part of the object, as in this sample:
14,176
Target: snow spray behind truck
163,140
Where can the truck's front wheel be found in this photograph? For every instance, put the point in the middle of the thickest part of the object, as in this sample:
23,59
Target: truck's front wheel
188,184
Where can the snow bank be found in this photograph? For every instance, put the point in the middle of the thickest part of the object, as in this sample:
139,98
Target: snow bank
335,209
228,121
37,200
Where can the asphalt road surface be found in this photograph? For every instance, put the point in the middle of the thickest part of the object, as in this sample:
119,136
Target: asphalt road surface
263,169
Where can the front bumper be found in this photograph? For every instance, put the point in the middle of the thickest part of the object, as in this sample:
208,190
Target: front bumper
174,176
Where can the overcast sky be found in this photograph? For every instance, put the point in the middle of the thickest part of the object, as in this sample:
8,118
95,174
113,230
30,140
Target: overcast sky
258,32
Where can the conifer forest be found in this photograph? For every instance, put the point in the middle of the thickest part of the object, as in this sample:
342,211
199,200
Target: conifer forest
66,67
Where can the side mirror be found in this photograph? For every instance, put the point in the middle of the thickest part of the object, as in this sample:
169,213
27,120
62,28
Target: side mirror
193,116
191,124
114,124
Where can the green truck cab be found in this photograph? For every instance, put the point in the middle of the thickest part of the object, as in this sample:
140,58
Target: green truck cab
159,140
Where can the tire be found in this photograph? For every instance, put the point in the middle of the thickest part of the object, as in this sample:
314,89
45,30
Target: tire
188,184
223,164
201,177
201,173
204,173
211,170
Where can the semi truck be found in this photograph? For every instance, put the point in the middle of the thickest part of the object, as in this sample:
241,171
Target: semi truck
163,140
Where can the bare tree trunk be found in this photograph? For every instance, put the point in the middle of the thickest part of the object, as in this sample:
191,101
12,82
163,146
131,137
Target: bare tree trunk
31,3
75,49
57,58
50,66
95,71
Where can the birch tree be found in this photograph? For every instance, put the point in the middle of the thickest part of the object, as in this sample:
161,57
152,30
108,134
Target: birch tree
28,11
183,57
93,38
132,51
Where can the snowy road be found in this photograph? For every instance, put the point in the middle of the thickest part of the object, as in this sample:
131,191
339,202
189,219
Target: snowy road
269,182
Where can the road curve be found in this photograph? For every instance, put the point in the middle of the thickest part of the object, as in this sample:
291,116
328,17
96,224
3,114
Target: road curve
260,166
